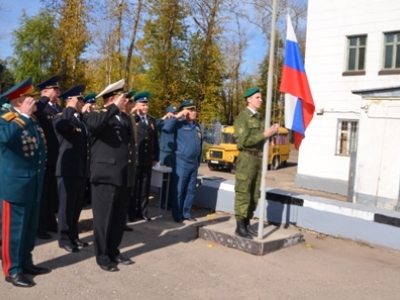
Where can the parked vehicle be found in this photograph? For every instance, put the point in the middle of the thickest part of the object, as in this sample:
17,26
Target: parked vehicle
224,155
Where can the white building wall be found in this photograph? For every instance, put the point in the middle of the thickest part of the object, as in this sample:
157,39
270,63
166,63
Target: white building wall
378,167
329,24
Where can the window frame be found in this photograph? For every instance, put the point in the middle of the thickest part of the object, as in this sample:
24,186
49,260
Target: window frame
351,141
357,47
395,53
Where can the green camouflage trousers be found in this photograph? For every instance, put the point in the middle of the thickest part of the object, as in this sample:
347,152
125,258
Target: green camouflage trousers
247,185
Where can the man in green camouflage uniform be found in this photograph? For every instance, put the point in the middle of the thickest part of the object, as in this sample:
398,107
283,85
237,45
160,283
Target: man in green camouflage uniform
250,137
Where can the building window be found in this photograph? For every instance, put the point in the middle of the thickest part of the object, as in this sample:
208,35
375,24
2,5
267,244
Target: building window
392,51
356,48
346,137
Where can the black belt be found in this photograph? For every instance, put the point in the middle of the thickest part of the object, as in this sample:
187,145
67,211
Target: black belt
253,153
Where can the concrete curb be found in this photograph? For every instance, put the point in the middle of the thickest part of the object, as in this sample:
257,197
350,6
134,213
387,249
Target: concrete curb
340,219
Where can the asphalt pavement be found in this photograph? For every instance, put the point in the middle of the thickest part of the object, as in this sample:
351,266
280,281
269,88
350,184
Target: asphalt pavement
172,263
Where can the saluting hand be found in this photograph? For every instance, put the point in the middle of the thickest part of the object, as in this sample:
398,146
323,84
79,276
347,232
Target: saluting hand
28,106
120,102
167,116
133,109
87,108
182,113
72,102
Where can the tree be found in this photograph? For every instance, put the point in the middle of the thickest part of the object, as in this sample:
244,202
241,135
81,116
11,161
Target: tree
132,43
74,37
234,47
34,46
205,64
7,79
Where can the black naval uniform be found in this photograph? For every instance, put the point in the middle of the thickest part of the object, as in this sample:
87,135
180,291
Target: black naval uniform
49,203
72,171
112,174
148,150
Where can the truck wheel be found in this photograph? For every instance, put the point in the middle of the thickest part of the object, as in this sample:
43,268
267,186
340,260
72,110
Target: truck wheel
232,168
211,167
275,163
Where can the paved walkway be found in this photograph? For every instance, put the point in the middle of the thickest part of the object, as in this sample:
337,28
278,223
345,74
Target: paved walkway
171,263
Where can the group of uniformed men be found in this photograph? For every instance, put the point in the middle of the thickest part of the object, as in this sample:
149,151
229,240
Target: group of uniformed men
48,154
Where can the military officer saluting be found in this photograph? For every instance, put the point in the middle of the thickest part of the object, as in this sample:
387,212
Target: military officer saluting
167,150
72,166
47,108
148,152
23,160
250,136
112,169
189,141
89,99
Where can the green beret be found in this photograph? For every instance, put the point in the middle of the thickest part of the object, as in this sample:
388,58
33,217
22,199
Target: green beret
251,92
130,95
90,98
142,96
188,104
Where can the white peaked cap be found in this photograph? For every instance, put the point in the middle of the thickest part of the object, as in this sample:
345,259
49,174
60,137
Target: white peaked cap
112,89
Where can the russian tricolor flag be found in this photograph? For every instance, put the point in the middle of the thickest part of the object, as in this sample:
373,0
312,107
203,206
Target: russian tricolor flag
299,104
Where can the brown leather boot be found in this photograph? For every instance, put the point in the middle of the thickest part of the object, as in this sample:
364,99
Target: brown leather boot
241,230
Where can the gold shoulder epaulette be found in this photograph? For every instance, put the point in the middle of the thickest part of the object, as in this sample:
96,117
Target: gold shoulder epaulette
10,115
103,110
59,114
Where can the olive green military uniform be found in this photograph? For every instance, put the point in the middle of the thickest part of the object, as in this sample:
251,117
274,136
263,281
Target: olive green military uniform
249,134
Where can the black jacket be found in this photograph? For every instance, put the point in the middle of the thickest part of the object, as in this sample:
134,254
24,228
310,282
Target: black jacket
74,152
112,147
45,114
148,149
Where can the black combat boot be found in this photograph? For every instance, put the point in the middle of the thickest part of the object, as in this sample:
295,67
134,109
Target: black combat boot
241,230
249,228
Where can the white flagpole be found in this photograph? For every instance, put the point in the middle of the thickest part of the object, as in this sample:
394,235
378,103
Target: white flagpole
261,202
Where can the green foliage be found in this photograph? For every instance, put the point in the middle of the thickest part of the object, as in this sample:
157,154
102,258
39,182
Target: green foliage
34,46
176,49
7,79
163,51
73,38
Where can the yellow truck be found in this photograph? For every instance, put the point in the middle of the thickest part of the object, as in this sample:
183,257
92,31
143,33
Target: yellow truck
224,155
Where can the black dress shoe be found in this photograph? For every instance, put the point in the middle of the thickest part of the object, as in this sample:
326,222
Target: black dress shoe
178,220
109,268
52,229
80,243
35,270
190,219
20,280
69,248
44,236
147,219
123,260
128,229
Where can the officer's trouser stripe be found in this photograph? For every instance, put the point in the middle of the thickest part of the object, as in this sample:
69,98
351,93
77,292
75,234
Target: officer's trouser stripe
6,237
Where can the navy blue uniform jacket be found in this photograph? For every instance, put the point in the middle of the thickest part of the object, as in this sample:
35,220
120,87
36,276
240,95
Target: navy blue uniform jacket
74,152
112,147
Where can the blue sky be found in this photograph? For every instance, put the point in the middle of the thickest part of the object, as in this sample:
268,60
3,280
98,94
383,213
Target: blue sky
11,11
